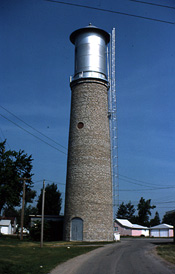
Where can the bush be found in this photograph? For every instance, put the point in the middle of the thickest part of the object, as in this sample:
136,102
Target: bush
35,231
53,231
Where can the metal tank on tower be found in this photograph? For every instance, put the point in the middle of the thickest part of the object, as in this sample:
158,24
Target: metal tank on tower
88,203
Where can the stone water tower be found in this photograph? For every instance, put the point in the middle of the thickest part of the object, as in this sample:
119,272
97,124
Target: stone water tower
88,204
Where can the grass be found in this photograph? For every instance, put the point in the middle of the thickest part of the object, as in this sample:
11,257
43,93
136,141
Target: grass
26,257
167,252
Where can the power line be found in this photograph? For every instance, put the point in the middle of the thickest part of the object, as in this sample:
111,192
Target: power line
140,181
4,138
169,202
149,189
155,187
166,198
39,181
111,11
143,183
52,181
157,203
133,182
152,4
163,207
33,127
33,134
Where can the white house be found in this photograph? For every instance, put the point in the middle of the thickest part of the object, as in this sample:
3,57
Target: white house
162,230
13,222
126,228
5,227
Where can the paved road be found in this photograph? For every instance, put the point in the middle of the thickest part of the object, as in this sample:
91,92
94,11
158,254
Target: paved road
130,256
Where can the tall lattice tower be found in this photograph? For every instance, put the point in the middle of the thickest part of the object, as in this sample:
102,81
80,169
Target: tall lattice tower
88,203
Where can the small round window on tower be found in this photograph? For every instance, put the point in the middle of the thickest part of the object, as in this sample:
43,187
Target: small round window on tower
80,125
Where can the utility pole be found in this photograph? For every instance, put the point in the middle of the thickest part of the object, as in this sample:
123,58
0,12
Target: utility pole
22,210
42,220
23,204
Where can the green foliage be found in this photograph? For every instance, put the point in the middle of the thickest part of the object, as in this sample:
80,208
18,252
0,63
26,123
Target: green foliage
29,210
13,166
35,231
144,211
169,218
10,212
53,231
30,195
52,200
155,220
126,211
26,257
167,252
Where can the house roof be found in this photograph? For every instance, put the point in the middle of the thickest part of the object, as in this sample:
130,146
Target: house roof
139,226
5,222
126,223
12,219
47,217
162,226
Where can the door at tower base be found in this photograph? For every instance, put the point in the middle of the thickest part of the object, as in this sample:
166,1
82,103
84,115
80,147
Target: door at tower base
76,229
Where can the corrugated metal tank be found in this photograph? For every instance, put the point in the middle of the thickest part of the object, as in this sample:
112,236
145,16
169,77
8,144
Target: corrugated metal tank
90,52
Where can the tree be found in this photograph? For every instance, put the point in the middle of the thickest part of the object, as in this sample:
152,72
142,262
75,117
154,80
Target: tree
30,195
155,220
169,218
52,200
29,210
13,167
10,212
144,211
126,211
35,231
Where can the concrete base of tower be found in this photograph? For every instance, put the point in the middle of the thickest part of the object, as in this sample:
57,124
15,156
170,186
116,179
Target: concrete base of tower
98,237
91,225
92,235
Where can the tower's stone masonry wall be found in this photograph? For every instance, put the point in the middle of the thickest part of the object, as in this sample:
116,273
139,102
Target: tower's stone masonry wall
89,186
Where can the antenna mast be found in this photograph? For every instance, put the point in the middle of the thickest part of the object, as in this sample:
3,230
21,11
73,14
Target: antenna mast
112,103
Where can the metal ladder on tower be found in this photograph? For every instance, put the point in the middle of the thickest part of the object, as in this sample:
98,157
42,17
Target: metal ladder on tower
112,112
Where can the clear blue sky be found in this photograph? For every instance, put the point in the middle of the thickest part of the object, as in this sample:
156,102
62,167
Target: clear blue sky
36,60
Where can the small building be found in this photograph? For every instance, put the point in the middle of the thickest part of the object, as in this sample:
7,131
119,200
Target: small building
5,227
126,228
162,230
55,222
13,222
139,230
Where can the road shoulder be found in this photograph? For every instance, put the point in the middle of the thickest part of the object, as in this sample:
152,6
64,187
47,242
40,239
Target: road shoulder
71,266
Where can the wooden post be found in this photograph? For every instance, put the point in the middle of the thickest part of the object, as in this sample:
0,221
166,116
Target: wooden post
23,205
22,210
42,220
